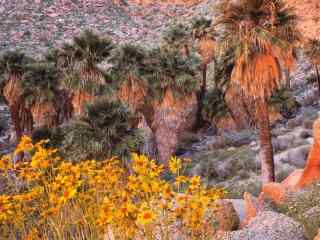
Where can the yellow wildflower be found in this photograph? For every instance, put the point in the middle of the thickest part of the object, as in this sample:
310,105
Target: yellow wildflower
24,145
175,165
67,195
146,217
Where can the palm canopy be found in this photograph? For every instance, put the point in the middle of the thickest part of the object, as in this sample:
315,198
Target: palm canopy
90,48
261,32
128,61
40,83
13,62
105,131
171,70
202,27
176,37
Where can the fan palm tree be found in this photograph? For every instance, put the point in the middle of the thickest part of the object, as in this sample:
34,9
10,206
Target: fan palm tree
87,79
127,71
40,89
260,32
105,131
170,70
313,52
203,35
177,37
63,63
12,68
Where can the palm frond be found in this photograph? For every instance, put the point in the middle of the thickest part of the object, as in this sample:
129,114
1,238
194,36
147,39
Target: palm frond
104,132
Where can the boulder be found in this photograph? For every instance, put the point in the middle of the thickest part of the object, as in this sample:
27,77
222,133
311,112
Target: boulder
295,156
252,206
239,206
293,179
226,216
268,225
276,192
298,156
311,172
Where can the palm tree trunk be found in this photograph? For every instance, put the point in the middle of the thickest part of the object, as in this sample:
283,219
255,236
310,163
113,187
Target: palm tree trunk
202,94
266,149
318,78
15,117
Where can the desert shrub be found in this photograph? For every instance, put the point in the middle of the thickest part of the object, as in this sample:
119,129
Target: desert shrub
50,198
304,207
106,130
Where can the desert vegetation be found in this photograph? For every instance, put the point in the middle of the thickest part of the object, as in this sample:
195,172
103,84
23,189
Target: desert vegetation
80,168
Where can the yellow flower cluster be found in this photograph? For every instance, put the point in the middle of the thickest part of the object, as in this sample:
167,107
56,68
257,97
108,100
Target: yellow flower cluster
51,198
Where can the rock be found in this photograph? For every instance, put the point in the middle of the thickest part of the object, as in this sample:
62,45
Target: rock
308,124
251,205
311,172
276,192
304,133
295,156
295,122
239,206
226,216
282,142
268,225
298,156
293,179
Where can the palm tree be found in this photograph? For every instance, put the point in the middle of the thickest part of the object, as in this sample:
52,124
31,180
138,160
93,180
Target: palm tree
86,79
40,89
261,32
177,37
171,70
313,52
203,34
12,68
105,131
63,63
129,62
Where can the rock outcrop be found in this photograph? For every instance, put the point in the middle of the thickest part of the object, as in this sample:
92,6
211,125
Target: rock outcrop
309,14
268,225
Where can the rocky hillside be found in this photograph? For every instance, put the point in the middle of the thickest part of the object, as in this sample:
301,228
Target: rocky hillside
309,13
36,25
